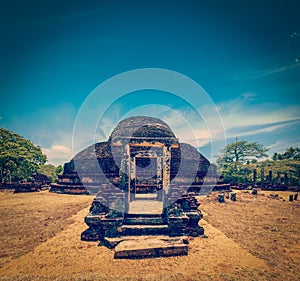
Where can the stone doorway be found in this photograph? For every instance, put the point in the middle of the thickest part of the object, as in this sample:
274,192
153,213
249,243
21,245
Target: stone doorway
145,181
146,172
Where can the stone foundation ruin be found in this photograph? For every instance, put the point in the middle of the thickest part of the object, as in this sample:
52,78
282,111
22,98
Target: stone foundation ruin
140,177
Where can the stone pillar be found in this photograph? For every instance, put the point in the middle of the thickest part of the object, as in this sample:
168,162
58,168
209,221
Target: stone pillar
286,179
132,168
254,177
233,196
124,169
221,198
159,171
131,182
166,167
270,177
125,175
254,191
262,177
278,178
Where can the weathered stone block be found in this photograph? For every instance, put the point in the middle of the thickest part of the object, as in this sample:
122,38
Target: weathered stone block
148,248
145,229
194,231
92,235
177,225
93,221
194,217
233,196
178,221
111,226
221,198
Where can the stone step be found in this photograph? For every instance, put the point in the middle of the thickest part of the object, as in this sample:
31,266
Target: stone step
144,220
112,242
151,247
142,229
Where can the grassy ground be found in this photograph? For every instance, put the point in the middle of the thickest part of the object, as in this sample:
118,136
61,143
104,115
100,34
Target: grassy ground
255,238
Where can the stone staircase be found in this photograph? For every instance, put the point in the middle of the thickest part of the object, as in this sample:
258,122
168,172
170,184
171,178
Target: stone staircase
146,229
145,236
146,224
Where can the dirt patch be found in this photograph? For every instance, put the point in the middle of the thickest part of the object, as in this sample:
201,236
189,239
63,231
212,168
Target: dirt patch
240,246
65,256
29,219
266,226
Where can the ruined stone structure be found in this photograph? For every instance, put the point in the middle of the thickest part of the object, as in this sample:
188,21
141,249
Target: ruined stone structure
108,155
37,182
68,182
144,191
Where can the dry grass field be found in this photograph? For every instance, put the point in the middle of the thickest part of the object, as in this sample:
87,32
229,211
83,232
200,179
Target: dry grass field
254,238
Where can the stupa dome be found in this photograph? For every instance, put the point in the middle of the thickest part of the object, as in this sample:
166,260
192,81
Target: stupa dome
141,127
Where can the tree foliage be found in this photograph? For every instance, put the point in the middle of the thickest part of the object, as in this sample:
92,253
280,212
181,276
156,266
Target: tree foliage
19,157
238,160
59,169
50,171
234,157
278,168
290,153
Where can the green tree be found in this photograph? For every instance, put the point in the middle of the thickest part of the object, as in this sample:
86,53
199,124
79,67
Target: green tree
59,169
236,155
49,170
19,157
289,166
290,153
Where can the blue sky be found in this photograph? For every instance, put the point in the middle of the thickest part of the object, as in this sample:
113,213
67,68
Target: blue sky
245,55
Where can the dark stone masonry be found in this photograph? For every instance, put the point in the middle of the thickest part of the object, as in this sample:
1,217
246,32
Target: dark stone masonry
141,179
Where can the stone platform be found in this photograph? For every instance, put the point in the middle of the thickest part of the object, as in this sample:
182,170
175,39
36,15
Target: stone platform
137,247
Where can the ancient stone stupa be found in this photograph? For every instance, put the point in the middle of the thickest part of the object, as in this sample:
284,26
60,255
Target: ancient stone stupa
140,177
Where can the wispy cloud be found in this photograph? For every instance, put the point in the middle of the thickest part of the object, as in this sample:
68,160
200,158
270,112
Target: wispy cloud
273,124
282,144
58,154
266,128
285,142
267,72
241,113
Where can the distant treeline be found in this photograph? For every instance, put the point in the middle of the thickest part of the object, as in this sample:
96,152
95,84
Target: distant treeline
20,158
239,159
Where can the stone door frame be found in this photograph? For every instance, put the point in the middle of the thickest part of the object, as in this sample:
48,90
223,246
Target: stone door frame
133,167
